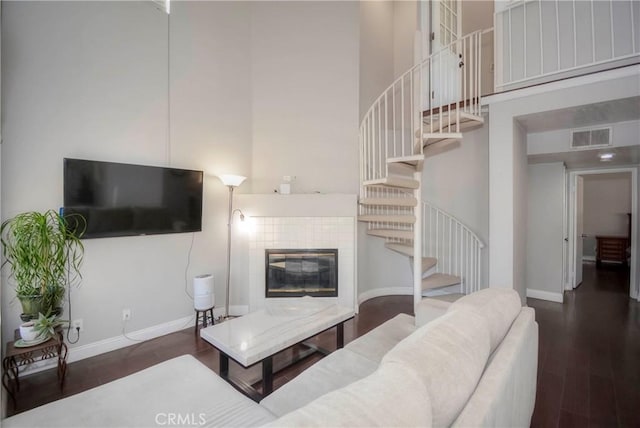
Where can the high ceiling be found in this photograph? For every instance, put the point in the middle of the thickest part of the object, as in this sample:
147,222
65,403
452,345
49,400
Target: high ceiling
628,155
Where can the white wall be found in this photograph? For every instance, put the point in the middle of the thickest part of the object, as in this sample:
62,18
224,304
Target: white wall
90,80
304,80
405,25
101,95
607,200
520,191
545,239
211,112
376,51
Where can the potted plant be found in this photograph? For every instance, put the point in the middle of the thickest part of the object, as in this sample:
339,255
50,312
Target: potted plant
44,253
45,326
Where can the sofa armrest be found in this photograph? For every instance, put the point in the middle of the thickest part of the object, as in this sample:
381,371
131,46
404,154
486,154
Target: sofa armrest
181,386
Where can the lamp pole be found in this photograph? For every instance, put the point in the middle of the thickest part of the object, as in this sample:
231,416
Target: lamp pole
226,307
231,181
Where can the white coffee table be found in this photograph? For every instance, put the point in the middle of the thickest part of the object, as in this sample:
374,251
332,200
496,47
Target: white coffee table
258,336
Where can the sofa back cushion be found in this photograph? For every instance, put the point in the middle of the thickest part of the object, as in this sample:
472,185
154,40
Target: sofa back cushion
498,306
448,355
392,396
506,393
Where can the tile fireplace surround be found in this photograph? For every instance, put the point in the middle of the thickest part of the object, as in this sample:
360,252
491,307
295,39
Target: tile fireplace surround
303,221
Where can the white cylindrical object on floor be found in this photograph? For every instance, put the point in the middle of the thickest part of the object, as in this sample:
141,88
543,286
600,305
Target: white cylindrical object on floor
203,297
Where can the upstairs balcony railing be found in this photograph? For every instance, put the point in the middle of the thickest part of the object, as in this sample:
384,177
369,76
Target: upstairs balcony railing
544,40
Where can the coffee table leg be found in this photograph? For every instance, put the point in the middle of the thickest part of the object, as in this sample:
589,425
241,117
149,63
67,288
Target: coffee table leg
267,376
224,365
340,335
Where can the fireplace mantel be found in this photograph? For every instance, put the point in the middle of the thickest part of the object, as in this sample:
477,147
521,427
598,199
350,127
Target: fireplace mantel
298,205
295,221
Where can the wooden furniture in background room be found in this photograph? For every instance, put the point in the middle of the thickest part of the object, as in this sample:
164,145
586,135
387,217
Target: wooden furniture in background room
612,249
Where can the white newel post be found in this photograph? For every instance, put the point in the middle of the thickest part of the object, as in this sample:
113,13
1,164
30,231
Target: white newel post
417,243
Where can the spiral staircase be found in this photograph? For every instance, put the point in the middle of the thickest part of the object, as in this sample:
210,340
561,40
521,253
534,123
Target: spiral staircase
422,113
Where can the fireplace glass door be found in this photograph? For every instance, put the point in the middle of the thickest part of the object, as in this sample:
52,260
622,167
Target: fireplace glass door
296,273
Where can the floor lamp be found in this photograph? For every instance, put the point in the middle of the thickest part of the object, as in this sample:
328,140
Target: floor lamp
231,181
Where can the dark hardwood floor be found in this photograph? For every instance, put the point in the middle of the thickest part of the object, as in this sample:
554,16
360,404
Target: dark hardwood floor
42,388
589,356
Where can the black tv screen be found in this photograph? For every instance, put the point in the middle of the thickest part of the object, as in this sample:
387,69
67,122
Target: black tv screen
119,199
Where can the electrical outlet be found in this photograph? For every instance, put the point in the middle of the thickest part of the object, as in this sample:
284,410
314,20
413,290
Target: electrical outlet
77,324
126,314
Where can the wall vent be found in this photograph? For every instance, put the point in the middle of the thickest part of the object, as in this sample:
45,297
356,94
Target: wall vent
588,138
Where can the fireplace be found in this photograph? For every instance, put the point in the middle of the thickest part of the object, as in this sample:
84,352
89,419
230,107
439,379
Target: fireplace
296,273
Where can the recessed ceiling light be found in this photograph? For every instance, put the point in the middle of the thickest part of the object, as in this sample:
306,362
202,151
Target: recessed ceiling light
605,156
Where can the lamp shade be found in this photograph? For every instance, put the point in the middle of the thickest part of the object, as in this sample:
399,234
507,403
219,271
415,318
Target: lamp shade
231,180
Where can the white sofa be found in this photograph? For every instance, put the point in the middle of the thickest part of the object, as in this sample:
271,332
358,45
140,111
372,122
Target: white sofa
473,363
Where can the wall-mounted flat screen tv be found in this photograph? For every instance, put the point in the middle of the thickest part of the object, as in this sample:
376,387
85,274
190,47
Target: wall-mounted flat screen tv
119,199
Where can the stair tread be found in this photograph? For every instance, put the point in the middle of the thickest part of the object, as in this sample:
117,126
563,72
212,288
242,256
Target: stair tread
400,202
407,250
467,120
391,233
392,181
435,134
438,139
437,147
408,219
430,138
439,280
428,263
452,297
412,160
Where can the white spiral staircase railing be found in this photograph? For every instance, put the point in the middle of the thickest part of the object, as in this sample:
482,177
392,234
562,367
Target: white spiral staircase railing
448,80
457,248
426,108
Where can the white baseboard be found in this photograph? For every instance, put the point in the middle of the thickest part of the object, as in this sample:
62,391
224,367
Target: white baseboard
544,295
589,259
235,310
111,344
388,291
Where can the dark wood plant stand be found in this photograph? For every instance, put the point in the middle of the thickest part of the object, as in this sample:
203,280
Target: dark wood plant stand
17,357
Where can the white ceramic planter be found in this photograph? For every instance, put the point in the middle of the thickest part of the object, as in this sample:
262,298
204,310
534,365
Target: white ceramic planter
27,331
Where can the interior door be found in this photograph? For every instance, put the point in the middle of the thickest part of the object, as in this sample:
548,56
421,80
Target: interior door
446,20
445,17
579,229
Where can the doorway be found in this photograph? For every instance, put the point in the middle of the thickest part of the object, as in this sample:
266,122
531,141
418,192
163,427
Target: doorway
441,26
602,223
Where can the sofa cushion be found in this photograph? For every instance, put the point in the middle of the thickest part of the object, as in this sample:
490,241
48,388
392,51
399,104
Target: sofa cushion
181,387
506,393
393,396
498,306
376,343
449,355
334,371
